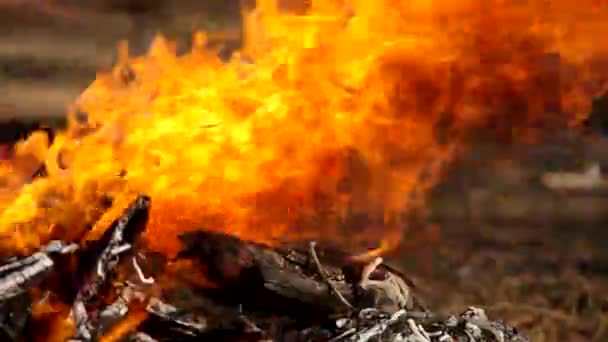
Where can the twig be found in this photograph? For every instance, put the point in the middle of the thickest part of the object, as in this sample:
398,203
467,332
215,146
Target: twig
469,336
246,321
375,331
601,329
445,338
142,337
343,335
486,325
416,331
118,240
369,269
171,314
423,315
315,259
423,332
140,273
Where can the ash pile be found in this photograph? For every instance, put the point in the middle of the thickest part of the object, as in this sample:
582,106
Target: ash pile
219,288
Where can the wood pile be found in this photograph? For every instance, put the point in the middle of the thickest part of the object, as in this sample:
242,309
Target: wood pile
118,290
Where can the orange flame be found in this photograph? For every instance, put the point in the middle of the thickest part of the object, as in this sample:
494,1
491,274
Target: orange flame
322,127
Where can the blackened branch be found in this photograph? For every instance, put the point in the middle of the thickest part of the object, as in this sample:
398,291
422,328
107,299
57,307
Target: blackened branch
315,259
118,239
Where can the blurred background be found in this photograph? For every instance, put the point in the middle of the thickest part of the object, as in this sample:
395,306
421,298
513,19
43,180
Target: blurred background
517,228
50,50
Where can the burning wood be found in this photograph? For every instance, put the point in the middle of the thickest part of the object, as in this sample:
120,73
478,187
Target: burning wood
17,275
261,293
117,241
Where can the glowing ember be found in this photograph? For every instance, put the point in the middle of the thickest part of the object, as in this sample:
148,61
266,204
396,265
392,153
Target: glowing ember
321,128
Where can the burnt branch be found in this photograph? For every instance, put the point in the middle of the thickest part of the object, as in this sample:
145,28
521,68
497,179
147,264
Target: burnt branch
315,259
105,256
472,326
257,293
18,275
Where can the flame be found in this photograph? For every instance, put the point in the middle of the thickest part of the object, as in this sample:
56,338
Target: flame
125,326
51,322
324,126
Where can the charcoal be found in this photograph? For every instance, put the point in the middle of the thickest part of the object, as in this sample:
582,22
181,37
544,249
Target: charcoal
392,315
112,314
169,323
18,275
141,337
116,311
597,119
261,293
369,324
244,268
403,326
201,320
26,274
105,256
185,322
14,315
298,278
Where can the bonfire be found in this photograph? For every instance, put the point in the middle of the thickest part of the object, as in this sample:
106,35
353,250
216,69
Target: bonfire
256,198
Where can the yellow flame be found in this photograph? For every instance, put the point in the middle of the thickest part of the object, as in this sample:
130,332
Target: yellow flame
321,127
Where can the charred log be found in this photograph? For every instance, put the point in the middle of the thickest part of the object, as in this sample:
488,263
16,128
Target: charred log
373,325
293,281
103,256
14,315
168,323
259,293
267,272
17,275
141,337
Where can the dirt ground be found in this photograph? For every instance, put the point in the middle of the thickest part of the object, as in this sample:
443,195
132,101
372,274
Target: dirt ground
549,281
544,270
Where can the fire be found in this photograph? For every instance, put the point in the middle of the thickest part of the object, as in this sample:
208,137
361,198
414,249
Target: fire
324,126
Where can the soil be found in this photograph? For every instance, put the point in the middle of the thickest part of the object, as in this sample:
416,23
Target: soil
549,281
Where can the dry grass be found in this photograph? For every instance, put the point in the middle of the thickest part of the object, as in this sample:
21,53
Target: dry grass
544,270
550,281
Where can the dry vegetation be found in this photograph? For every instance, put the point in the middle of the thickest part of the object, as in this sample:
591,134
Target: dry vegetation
537,258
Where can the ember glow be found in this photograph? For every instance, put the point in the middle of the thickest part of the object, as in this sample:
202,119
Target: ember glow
322,127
